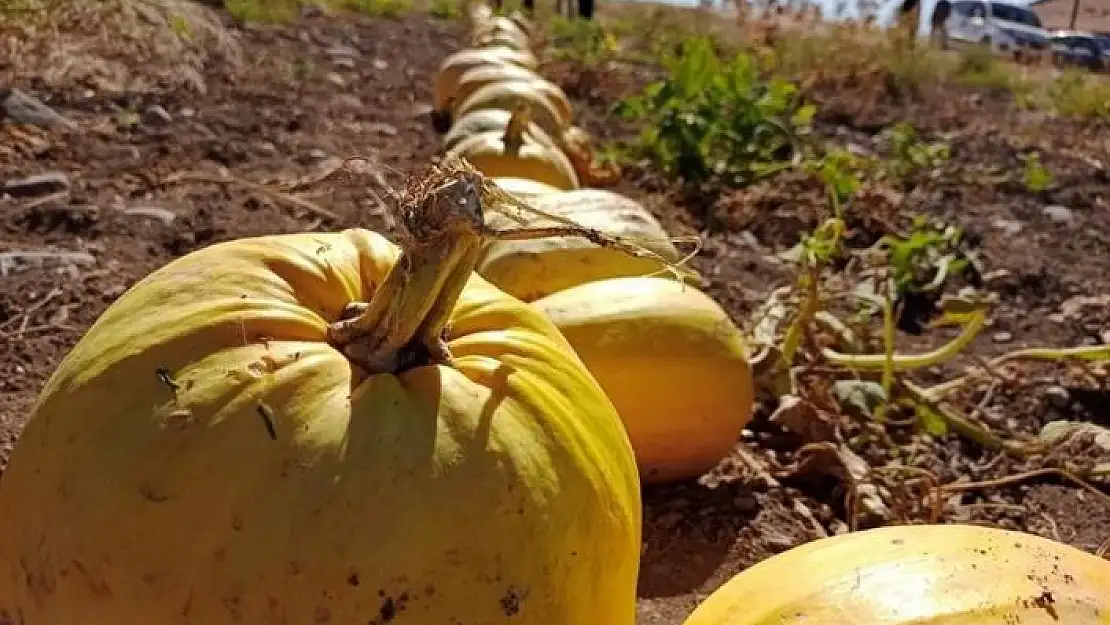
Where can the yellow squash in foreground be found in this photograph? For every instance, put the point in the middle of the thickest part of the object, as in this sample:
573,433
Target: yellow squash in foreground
532,269
239,439
918,575
673,363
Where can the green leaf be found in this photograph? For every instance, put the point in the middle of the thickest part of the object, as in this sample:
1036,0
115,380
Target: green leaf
862,395
933,422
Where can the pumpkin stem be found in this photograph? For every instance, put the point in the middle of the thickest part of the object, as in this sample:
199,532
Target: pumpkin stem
576,145
404,323
514,130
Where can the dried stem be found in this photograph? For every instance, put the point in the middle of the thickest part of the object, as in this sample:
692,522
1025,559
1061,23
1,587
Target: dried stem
443,216
514,130
404,322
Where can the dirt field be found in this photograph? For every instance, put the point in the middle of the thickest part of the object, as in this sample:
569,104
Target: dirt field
331,87
1092,14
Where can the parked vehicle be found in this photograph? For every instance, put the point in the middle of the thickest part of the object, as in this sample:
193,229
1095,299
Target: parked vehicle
1004,26
1070,47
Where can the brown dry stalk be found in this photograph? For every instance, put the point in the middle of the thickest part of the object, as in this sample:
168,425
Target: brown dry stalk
1026,475
494,198
442,213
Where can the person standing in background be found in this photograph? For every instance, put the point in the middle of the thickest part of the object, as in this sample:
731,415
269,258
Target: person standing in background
908,21
937,23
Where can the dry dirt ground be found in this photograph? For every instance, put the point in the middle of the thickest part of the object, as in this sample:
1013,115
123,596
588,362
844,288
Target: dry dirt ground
1092,14
330,87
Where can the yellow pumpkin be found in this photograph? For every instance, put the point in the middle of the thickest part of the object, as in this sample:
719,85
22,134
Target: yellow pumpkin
919,575
500,31
454,66
674,364
482,16
469,81
542,96
238,440
524,187
479,77
499,38
532,269
491,120
574,143
511,154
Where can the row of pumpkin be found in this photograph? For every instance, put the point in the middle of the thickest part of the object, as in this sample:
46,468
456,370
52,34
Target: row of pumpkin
667,355
676,369
330,428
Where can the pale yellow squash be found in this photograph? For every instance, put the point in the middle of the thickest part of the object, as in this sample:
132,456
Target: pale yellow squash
674,364
481,76
523,187
454,66
532,269
492,120
574,143
443,99
500,31
918,575
499,38
511,153
493,156
475,79
221,448
541,97
481,16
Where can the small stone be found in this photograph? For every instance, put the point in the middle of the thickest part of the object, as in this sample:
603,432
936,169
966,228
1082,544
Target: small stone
344,62
317,154
1003,337
381,64
188,112
336,79
342,51
1058,396
383,129
25,109
1008,226
41,184
156,114
1102,439
778,541
1058,214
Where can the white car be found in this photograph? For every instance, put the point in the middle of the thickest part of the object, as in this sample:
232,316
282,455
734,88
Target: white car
1004,26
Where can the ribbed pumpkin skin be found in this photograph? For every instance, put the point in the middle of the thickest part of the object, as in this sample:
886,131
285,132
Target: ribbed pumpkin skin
524,187
535,268
491,120
478,77
488,153
454,66
540,96
501,489
918,575
673,363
